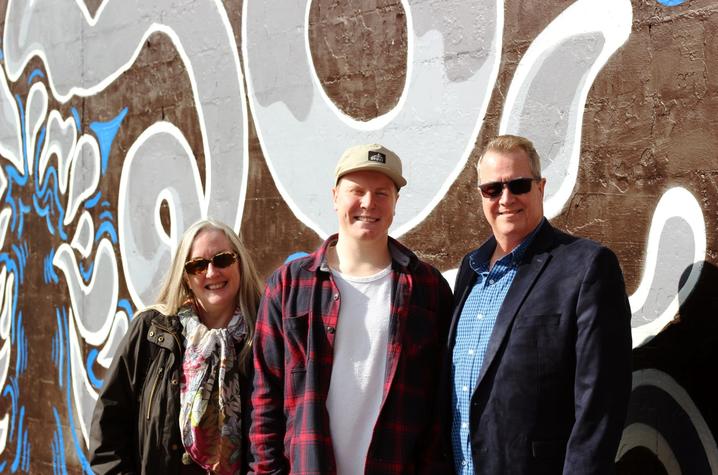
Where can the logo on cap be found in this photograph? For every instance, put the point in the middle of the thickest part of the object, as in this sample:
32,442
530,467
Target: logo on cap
377,157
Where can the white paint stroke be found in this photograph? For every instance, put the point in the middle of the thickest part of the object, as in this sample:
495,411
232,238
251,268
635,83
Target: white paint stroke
94,304
84,235
159,165
120,325
663,381
10,129
60,140
84,175
557,118
35,113
676,202
83,394
433,128
77,64
643,435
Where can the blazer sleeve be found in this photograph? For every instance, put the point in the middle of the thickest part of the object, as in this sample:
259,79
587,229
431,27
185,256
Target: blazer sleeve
266,434
603,367
114,420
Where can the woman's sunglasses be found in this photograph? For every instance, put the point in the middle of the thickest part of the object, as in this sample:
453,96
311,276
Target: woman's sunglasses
220,260
518,186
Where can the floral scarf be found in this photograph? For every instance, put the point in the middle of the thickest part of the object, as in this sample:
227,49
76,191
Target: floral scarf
210,412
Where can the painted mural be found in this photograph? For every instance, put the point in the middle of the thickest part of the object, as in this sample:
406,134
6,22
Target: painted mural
123,121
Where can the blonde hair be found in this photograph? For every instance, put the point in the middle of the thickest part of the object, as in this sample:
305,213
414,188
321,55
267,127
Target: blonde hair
175,292
510,143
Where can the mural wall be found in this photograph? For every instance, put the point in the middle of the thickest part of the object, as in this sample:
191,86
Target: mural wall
123,121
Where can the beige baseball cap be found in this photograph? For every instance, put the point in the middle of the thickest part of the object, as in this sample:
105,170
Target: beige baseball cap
373,157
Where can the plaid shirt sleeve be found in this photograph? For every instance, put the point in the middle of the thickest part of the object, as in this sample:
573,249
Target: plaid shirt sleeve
431,454
268,422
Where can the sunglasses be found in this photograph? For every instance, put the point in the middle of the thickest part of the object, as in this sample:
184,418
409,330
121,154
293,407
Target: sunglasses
517,186
220,260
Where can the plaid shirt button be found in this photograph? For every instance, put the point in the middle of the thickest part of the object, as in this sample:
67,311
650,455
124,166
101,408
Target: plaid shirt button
331,330
335,296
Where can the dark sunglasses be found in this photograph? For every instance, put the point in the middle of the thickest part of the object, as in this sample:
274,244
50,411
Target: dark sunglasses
518,186
220,260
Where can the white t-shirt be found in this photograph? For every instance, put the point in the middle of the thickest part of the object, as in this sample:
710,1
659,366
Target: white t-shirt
357,384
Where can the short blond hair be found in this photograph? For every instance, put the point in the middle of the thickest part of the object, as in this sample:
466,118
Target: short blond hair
510,143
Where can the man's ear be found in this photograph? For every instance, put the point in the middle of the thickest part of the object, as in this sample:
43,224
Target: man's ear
334,197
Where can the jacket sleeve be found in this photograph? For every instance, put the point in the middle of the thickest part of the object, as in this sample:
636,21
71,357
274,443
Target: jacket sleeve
114,421
432,455
266,434
603,368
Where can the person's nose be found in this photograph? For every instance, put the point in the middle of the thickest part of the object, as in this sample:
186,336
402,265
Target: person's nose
211,270
367,201
506,196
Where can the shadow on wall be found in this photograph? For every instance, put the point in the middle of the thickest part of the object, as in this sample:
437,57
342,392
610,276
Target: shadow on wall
672,422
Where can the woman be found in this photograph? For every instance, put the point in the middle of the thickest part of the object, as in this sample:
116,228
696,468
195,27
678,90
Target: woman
176,396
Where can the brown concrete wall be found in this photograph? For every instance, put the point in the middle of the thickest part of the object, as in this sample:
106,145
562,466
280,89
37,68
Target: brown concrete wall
120,125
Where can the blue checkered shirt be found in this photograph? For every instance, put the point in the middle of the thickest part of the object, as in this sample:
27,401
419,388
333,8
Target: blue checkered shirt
476,323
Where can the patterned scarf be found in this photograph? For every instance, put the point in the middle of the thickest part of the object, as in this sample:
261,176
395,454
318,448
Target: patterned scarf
210,413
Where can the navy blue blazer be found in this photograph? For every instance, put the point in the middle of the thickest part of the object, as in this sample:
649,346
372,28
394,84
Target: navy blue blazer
553,392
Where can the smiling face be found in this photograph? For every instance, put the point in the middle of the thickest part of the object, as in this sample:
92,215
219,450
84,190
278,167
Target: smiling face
511,217
365,202
215,291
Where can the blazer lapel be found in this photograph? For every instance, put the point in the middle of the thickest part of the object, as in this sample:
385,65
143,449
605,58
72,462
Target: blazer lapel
536,259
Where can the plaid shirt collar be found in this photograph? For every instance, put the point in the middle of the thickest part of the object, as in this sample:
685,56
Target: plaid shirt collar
403,259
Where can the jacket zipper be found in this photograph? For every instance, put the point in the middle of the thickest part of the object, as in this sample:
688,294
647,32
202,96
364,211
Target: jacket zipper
152,392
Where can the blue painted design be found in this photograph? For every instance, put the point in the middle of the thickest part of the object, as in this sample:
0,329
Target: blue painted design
86,273
2,55
105,204
125,305
79,446
92,202
34,74
76,116
91,357
294,256
106,227
12,390
60,343
18,447
24,209
106,132
107,215
59,464
671,3
49,268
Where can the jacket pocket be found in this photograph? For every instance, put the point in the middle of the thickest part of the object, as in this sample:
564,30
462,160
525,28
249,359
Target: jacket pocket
542,320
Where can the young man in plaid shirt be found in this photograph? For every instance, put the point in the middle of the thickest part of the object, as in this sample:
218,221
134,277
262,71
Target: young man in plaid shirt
349,342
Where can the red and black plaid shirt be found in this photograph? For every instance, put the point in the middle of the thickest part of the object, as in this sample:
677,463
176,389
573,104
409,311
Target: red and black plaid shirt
293,353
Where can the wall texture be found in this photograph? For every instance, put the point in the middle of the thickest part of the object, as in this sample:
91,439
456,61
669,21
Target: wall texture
122,121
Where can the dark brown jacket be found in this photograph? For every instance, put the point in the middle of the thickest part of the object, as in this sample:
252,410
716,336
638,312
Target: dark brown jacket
135,425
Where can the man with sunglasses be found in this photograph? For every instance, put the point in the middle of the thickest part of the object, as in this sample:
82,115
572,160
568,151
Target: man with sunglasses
349,343
540,339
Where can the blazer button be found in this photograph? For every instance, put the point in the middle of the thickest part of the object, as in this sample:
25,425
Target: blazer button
152,333
160,339
174,381
331,330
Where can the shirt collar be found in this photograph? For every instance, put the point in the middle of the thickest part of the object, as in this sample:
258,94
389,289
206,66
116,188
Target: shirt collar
479,259
400,255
